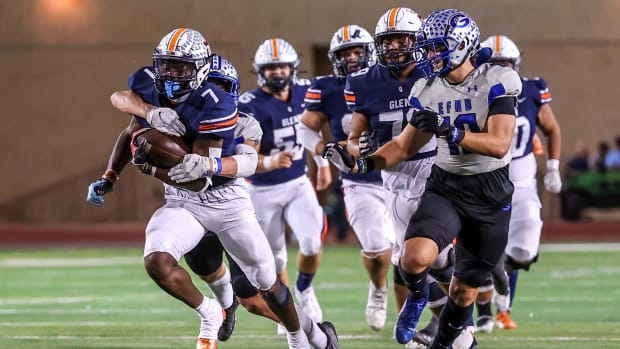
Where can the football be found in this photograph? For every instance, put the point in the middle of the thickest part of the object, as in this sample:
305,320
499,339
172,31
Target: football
163,150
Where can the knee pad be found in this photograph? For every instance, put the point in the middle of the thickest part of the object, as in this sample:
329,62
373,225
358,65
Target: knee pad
310,245
514,264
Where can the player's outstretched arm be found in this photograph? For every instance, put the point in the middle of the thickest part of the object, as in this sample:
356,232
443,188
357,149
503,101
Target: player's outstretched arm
163,119
119,157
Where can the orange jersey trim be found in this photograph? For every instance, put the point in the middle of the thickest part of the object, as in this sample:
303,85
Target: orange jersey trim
208,127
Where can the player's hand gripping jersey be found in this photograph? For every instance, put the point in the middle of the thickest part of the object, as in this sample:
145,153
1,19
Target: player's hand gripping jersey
278,120
326,95
463,111
207,113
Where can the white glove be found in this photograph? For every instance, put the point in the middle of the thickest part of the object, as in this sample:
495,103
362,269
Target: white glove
339,156
248,129
193,167
367,143
552,180
166,120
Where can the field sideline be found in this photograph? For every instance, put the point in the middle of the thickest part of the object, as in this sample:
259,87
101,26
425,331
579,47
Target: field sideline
102,298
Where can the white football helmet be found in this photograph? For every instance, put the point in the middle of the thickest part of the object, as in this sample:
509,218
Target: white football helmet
397,22
181,63
275,51
453,36
222,72
346,37
504,49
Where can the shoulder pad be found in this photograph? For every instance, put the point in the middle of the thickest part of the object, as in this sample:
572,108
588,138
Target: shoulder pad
507,77
302,82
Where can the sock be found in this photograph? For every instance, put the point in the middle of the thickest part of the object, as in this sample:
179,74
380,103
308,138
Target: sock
514,276
416,283
297,340
316,337
210,318
304,280
222,290
451,322
484,309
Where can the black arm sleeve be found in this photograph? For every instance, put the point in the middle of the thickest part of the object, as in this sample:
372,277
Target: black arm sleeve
503,105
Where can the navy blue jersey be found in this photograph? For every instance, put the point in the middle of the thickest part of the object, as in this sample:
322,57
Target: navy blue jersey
278,120
207,113
534,95
383,99
326,95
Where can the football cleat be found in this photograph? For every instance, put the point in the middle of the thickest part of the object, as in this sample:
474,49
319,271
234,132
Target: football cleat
425,336
503,320
230,319
330,331
376,308
408,318
466,339
309,303
204,343
485,324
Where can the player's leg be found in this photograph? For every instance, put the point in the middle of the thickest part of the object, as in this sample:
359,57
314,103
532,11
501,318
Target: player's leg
240,236
172,232
309,224
478,250
365,203
206,261
522,248
430,231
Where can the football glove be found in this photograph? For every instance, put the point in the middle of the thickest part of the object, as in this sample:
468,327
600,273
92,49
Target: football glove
195,166
97,190
429,121
166,120
339,156
367,143
552,179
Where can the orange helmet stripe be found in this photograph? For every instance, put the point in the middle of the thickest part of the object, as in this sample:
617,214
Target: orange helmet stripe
498,43
175,38
345,33
274,47
392,18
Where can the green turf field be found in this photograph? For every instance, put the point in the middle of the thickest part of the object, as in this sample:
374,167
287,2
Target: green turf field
102,298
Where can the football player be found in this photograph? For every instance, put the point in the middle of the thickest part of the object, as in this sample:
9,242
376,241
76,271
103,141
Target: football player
352,49
377,96
472,113
280,190
525,228
209,116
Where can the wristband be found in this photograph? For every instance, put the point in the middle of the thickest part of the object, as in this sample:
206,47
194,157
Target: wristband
320,161
217,166
553,165
455,136
267,162
365,165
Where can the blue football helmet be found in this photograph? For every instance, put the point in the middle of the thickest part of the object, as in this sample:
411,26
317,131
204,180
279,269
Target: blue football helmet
225,74
448,38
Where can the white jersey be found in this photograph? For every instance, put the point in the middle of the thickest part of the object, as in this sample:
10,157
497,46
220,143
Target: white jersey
466,106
